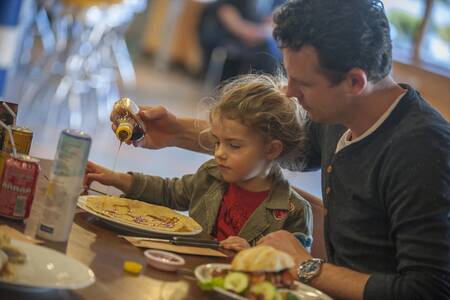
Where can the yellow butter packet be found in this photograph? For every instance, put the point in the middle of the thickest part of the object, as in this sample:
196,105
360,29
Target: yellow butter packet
132,267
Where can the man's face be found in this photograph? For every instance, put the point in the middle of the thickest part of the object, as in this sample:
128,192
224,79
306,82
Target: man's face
324,101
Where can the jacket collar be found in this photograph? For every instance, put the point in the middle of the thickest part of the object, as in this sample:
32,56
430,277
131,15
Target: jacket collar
262,218
280,191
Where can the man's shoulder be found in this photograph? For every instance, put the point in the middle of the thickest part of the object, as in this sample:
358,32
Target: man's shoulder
418,135
417,122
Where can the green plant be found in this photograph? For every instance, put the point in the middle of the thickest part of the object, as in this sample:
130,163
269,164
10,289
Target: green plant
404,22
444,32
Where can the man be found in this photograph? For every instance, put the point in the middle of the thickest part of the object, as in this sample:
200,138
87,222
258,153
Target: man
383,151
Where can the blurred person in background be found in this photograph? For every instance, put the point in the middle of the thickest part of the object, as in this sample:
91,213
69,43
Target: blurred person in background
244,29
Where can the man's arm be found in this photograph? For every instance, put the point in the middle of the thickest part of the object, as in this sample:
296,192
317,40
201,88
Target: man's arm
414,189
164,129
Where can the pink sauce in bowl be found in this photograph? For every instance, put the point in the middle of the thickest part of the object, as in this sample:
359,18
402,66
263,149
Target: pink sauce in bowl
163,260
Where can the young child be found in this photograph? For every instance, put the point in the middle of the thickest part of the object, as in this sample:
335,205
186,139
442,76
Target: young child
241,194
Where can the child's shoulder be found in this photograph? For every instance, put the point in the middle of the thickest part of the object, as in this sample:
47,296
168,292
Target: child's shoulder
297,200
208,166
209,169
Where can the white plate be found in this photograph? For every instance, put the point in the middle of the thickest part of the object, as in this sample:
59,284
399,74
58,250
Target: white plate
128,226
302,291
47,269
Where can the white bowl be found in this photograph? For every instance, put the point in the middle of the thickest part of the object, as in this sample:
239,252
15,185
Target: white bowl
164,260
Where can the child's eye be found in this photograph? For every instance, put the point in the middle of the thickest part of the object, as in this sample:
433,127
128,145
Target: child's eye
235,146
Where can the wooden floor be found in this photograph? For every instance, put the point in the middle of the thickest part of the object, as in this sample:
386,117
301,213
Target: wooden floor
176,91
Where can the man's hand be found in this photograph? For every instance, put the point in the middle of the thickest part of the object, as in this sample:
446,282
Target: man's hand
160,127
235,243
338,282
286,242
163,129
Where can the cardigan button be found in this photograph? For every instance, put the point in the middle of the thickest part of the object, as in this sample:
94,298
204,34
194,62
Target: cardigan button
327,190
329,169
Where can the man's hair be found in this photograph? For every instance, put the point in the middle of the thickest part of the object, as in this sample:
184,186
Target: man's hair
345,33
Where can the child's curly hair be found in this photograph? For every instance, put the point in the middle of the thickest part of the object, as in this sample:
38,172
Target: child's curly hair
258,101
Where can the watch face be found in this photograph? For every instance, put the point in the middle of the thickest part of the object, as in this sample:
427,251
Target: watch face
312,267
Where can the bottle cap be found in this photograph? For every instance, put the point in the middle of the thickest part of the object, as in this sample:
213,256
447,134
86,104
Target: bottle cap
124,131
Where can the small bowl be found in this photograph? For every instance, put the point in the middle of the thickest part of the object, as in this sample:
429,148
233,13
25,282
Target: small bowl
163,260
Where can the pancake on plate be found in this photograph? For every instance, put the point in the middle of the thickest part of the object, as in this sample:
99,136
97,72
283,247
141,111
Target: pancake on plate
141,213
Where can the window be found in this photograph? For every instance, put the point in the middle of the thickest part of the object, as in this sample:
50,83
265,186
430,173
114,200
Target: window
420,31
435,47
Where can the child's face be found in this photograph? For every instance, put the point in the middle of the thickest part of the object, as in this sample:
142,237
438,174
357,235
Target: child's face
239,152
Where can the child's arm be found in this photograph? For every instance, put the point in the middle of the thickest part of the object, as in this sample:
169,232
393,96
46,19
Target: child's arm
170,192
175,193
299,223
105,176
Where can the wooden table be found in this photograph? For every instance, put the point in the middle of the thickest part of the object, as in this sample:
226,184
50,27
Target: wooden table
97,245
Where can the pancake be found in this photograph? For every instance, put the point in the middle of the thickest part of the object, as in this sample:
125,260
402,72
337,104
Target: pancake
141,213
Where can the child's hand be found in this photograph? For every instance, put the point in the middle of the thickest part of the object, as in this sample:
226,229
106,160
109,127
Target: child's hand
105,176
235,243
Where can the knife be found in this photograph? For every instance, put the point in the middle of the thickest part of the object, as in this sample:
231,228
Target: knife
184,242
194,240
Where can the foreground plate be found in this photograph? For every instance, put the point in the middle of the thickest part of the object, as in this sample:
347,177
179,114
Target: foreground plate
302,291
47,269
128,226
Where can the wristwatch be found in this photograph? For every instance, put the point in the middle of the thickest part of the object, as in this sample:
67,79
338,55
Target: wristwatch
309,269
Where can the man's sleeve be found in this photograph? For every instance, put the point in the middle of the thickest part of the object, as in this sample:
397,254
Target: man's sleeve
416,194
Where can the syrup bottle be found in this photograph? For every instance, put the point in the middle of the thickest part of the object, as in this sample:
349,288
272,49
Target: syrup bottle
123,116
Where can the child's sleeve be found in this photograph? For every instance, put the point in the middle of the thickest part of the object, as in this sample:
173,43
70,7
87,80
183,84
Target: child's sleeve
299,223
171,192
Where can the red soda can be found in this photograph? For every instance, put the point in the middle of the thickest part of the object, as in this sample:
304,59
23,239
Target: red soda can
18,183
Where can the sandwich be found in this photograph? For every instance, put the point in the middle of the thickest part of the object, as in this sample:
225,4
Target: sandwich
260,273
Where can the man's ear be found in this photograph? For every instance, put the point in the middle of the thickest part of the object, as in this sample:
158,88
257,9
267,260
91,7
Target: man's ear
356,80
274,149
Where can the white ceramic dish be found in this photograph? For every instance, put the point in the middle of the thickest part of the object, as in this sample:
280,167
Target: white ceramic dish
302,291
163,260
47,269
129,226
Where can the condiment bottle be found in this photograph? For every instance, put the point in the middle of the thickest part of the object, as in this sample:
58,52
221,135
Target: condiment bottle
124,117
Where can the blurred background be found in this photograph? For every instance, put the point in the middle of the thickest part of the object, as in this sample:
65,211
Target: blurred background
65,62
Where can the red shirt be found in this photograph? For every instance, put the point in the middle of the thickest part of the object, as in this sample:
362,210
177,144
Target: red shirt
237,206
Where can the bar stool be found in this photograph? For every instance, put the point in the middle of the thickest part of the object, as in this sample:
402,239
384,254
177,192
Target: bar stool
81,58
